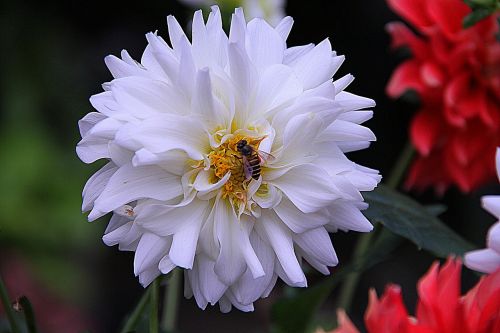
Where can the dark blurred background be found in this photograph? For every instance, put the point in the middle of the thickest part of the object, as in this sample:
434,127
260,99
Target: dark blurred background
51,62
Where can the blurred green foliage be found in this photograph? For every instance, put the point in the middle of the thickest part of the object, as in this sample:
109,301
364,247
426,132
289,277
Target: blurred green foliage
41,176
480,10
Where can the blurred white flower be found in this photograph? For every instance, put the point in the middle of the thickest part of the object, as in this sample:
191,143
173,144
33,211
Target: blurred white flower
270,10
177,182
488,260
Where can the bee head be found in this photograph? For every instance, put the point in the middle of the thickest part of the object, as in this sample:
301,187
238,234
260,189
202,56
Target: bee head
241,144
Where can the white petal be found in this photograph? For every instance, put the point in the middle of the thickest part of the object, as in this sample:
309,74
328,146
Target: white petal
120,68
267,196
173,161
316,264
128,184
351,102
163,220
238,28
169,132
343,82
242,237
175,32
292,54
300,132
284,27
357,117
115,222
230,264
486,260
341,130
185,240
225,305
89,121
240,306
95,185
130,240
307,186
298,221
106,104
494,237
201,48
492,204
203,102
217,37
349,146
144,97
316,66
205,188
244,76
347,216
280,271
278,86
166,265
248,288
187,69
150,250
150,62
497,160
94,145
317,244
146,277
280,238
211,287
114,237
263,44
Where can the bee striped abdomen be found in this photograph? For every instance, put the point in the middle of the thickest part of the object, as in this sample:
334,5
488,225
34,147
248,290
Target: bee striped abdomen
254,162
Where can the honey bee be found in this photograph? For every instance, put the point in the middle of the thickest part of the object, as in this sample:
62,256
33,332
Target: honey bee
252,159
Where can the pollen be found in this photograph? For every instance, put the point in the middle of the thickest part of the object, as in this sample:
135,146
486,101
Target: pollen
226,158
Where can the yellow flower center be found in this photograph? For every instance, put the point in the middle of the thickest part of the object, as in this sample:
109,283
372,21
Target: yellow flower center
226,158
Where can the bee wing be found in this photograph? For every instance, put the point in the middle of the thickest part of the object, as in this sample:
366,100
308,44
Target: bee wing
265,157
247,168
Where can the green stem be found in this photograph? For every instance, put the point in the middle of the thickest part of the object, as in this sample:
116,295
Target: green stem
399,169
170,308
8,308
364,241
29,314
134,318
154,298
352,279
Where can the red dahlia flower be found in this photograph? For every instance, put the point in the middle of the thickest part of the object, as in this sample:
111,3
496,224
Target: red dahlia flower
440,308
456,73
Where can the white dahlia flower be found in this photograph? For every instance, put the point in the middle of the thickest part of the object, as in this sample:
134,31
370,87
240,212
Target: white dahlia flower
488,260
270,10
181,189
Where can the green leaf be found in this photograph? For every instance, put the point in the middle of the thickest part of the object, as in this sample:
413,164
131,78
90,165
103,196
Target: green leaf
436,209
295,314
409,219
476,16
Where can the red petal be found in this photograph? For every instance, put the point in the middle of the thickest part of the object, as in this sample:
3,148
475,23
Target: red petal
387,315
427,291
402,36
405,77
425,131
489,111
432,74
454,92
448,294
448,14
414,11
457,172
482,304
345,324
